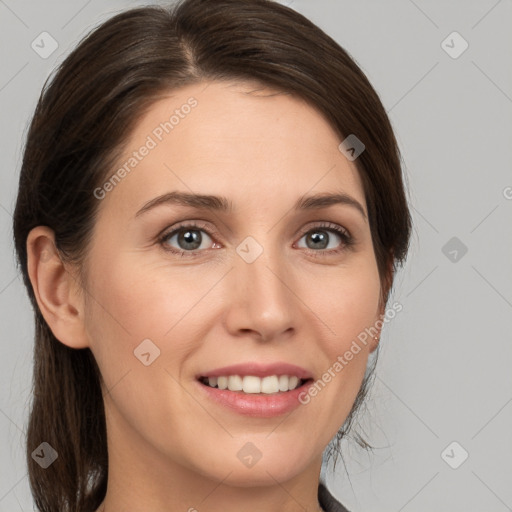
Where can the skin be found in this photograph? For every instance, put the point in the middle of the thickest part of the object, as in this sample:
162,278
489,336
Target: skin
169,447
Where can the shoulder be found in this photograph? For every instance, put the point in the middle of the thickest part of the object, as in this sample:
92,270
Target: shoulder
327,501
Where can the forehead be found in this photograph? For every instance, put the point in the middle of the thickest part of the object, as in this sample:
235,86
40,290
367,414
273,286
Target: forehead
234,139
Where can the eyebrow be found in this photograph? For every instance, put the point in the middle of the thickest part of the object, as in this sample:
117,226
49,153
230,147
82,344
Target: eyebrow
222,204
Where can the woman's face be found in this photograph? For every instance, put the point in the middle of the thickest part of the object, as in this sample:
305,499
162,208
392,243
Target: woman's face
265,281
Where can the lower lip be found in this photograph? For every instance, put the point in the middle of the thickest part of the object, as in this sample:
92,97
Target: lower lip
257,404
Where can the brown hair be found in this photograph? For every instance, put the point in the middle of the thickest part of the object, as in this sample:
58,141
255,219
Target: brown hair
85,114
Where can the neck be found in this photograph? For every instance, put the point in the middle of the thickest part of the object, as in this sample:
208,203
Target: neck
183,490
141,478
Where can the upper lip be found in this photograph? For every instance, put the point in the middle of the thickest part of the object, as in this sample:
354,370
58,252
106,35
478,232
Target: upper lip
258,370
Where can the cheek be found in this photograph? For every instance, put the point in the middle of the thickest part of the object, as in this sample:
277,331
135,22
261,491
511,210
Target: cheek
124,308
134,300
349,306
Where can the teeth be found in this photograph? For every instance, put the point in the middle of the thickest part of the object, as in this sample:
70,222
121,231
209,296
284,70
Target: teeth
270,384
235,383
253,384
293,382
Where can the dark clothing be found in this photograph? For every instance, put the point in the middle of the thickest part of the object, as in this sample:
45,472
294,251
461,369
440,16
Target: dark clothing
327,501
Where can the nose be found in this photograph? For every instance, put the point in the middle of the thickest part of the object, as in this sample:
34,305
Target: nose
261,301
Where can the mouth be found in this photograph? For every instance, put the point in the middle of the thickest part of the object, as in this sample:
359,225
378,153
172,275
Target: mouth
254,385
256,388
258,397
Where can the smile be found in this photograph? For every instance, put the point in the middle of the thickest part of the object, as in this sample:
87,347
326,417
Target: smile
253,384
257,397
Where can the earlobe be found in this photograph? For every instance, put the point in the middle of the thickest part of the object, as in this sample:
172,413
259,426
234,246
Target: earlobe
54,288
378,325
376,338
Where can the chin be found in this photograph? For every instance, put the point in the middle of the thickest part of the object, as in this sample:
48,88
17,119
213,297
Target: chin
275,466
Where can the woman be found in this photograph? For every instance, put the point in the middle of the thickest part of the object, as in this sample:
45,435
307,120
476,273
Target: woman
210,213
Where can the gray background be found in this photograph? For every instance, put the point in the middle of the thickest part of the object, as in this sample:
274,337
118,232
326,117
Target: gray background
444,369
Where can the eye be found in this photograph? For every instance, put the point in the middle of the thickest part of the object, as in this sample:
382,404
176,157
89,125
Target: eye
320,239
188,238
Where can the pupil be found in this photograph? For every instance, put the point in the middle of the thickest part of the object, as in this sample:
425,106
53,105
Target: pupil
190,237
318,236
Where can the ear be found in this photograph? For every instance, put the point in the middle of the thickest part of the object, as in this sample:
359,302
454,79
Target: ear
56,289
387,282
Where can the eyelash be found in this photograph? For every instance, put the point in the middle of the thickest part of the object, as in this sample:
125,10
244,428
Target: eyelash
347,240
